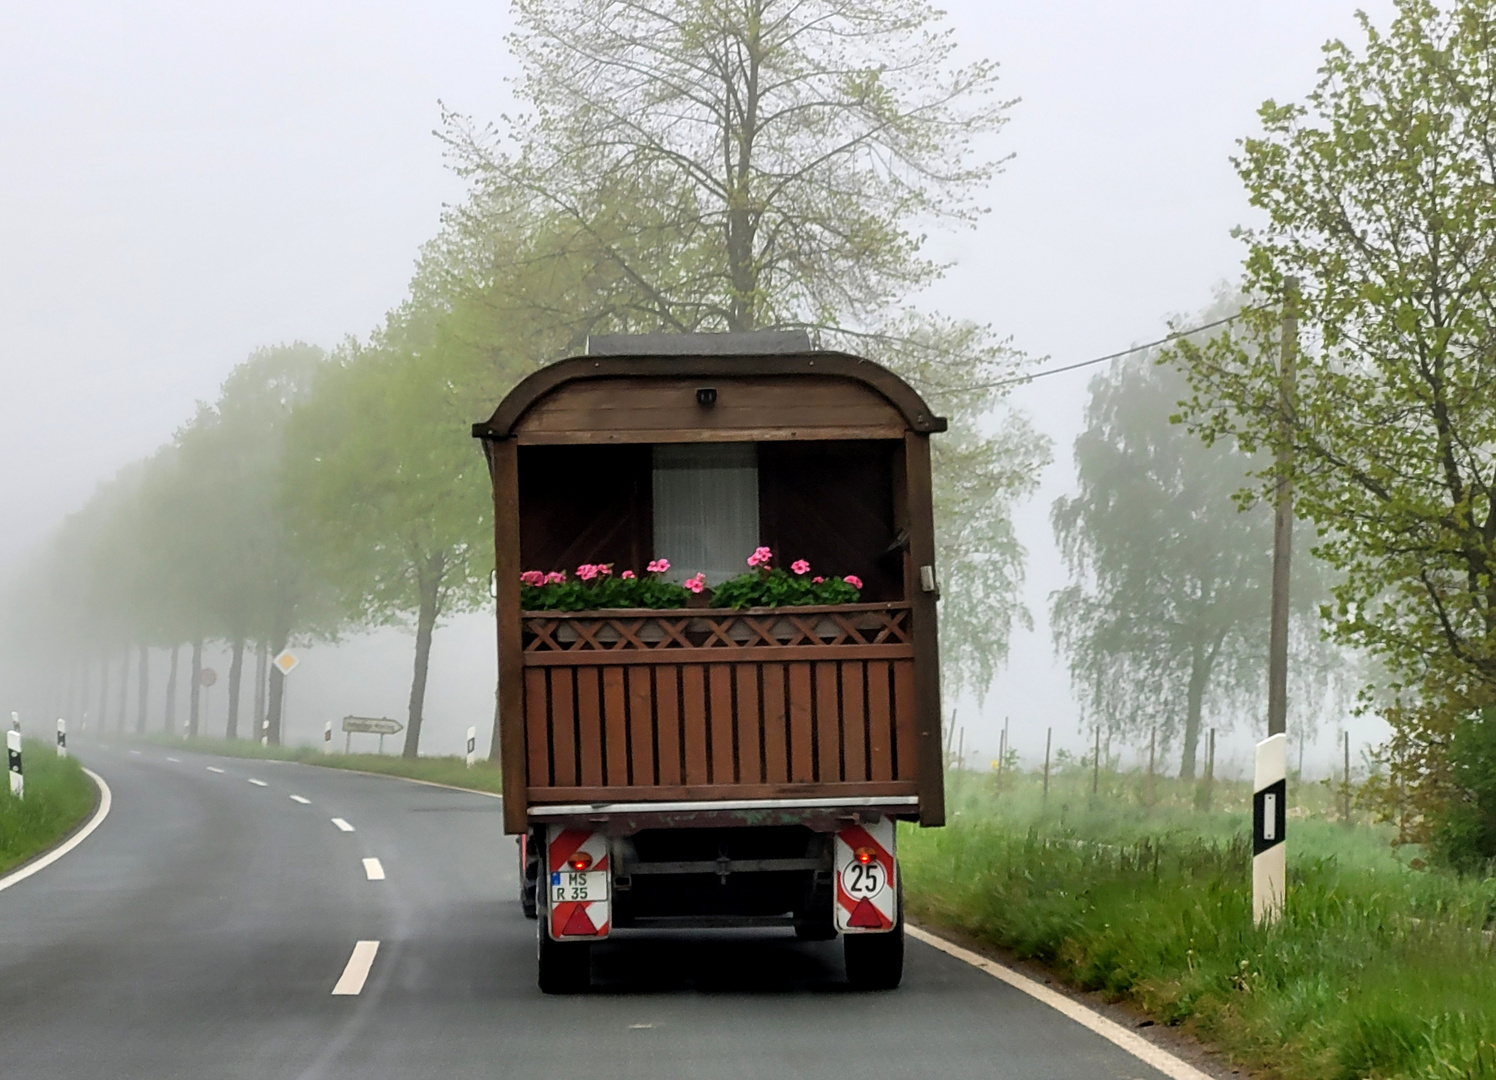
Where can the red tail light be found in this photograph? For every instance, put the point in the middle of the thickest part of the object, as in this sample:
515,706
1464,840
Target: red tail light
580,861
865,855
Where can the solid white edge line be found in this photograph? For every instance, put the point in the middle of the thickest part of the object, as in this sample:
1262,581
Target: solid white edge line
106,799
342,825
374,869
356,972
302,799
258,783
1154,1056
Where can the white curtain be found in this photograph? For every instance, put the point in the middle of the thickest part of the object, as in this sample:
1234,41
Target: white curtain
705,508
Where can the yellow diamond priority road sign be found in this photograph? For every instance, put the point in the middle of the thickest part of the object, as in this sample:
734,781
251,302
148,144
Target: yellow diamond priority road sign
286,662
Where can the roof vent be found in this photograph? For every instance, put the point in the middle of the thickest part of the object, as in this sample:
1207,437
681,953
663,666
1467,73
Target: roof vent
753,343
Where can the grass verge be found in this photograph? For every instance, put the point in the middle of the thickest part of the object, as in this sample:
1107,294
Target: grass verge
1378,970
59,795
483,776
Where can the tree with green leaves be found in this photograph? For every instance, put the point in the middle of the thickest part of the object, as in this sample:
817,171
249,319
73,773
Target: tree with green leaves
1165,621
386,491
1379,193
738,165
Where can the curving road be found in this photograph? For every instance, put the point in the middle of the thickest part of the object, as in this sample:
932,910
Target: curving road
201,931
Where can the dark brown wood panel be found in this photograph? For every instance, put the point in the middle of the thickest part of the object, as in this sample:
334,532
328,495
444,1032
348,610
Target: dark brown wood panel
719,678
503,464
537,729
776,726
750,748
693,710
590,724
854,722
802,724
880,720
668,723
906,720
585,504
723,791
828,725
563,727
716,655
641,726
615,726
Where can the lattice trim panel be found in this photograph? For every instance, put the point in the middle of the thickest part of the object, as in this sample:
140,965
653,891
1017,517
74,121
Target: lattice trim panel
666,631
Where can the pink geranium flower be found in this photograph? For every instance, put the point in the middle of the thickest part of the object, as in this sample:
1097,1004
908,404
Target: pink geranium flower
817,580
800,566
604,569
696,584
853,580
556,577
587,571
659,566
760,557
627,575
532,577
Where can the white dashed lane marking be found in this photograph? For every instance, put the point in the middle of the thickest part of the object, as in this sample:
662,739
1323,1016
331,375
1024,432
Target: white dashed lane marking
135,752
302,799
258,783
342,825
373,869
351,982
214,768
176,759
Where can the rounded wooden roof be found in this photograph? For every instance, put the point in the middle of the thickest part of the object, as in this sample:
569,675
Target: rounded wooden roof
541,384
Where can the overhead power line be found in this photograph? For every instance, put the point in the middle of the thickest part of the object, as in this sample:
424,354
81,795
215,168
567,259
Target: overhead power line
1109,356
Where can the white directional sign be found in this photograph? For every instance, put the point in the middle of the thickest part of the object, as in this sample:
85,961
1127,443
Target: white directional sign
372,725
286,662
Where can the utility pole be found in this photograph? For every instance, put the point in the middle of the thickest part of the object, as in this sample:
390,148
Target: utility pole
1096,765
1048,739
1269,863
1345,794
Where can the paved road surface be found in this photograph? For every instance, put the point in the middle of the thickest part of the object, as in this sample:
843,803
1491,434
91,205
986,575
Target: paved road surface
200,931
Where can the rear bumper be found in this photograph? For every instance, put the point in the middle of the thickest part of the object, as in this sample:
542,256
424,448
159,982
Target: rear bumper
819,814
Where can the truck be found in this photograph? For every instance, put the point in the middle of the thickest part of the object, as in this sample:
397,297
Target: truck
709,766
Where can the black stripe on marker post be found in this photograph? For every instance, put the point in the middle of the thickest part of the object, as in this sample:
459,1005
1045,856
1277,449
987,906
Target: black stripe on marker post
1269,817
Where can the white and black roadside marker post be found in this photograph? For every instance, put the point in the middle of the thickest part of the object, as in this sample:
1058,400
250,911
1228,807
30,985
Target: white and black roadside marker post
1269,820
62,737
472,746
13,752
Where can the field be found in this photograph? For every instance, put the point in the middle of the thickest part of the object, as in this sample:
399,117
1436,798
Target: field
58,797
483,776
1381,968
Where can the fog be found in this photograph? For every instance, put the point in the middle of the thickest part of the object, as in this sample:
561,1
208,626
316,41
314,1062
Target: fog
185,183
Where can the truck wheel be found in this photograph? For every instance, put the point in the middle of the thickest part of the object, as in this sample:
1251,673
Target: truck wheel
529,875
876,961
563,967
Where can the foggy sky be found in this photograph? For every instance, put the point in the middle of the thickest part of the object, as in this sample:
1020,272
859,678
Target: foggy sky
181,183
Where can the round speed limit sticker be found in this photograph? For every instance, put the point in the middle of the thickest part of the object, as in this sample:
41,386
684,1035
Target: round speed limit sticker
864,880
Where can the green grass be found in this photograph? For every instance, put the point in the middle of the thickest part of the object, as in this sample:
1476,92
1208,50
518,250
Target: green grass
58,797
483,776
1378,970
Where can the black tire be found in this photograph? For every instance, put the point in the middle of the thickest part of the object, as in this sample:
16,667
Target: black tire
529,876
562,967
876,961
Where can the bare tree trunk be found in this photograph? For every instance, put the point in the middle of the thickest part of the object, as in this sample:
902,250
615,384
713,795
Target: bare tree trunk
236,673
1202,661
425,625
145,689
195,691
262,672
103,693
277,695
124,690
171,692
83,689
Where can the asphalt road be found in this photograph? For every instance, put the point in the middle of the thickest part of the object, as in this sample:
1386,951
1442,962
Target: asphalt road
199,933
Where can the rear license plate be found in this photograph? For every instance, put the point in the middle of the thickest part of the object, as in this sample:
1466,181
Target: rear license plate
589,886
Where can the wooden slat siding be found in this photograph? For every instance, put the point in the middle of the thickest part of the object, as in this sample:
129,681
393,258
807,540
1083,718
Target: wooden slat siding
537,730
503,463
924,691
668,723
906,721
879,720
750,731
590,725
828,725
641,726
615,727
776,726
563,726
591,410
693,727
724,791
854,722
724,748
802,726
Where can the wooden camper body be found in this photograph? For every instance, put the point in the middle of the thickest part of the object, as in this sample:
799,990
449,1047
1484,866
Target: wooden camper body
622,711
